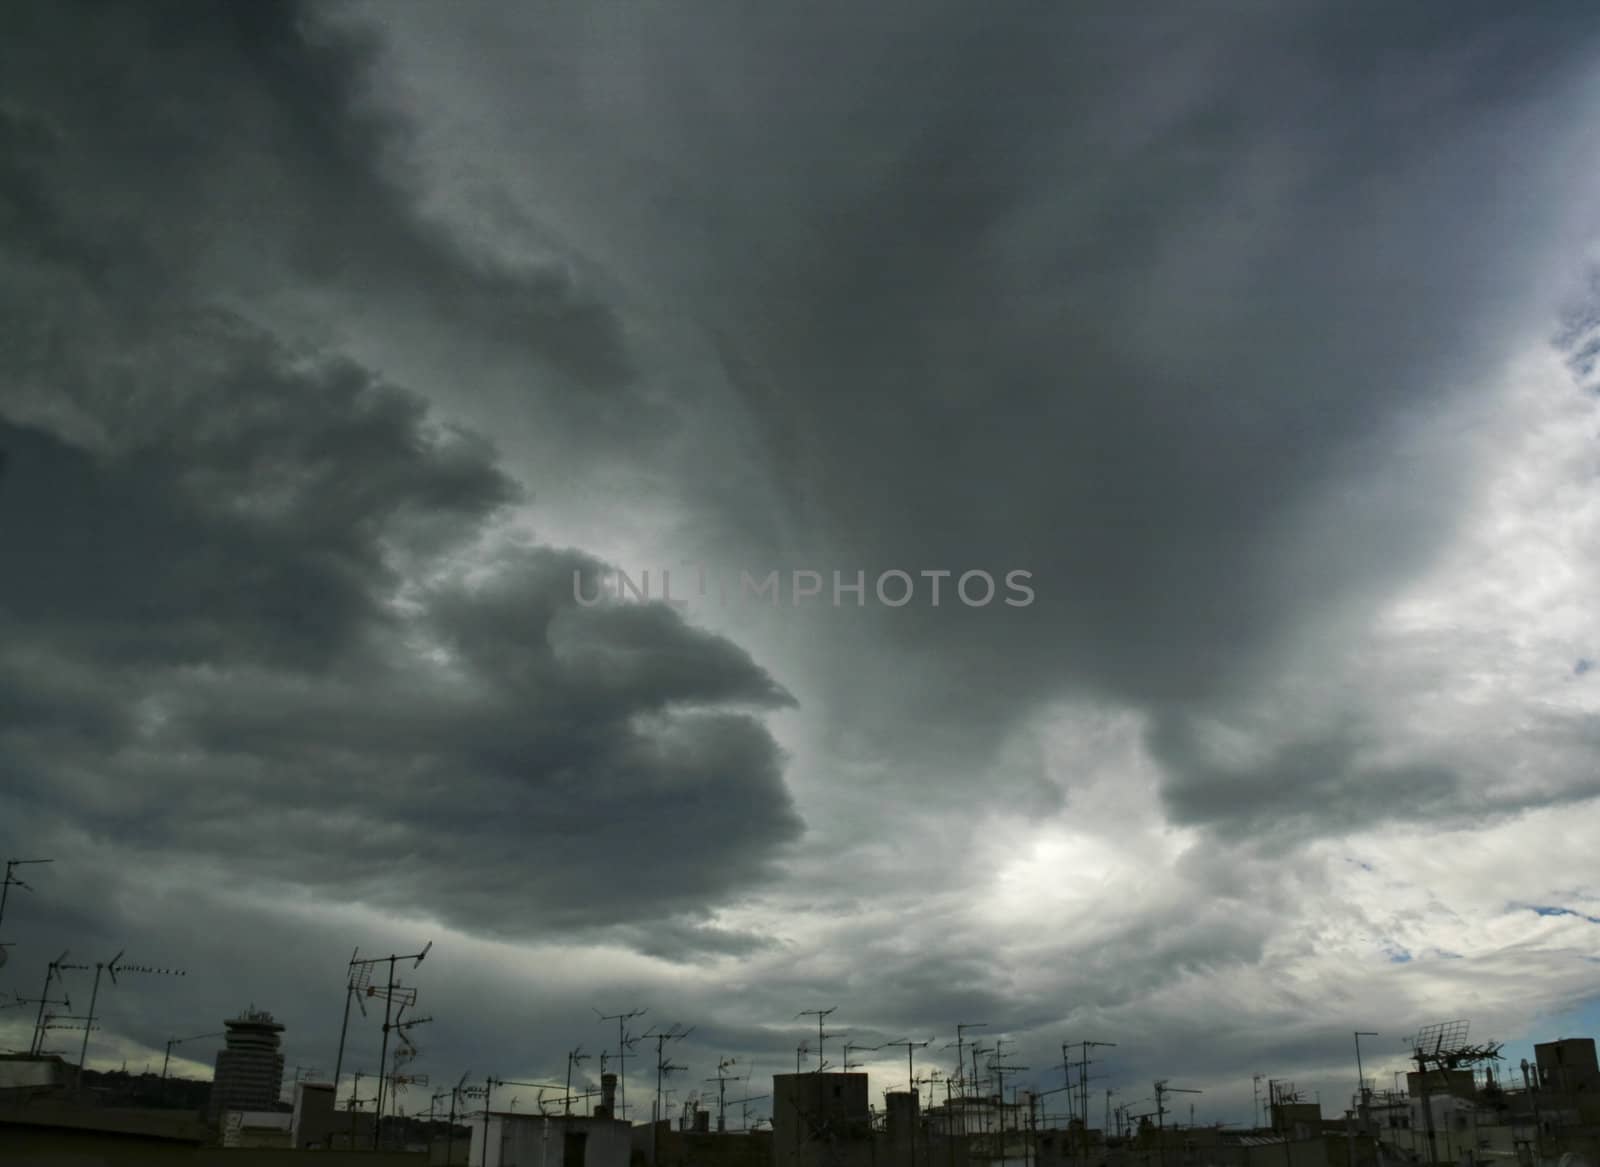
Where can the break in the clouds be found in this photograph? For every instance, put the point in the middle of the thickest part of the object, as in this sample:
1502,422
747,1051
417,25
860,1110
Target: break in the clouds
339,338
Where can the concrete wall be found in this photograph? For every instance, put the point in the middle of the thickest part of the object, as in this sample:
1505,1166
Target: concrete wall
738,1149
20,1072
1568,1065
821,1120
531,1140
314,1115
40,1147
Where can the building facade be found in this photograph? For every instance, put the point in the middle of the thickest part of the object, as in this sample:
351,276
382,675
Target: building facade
249,1071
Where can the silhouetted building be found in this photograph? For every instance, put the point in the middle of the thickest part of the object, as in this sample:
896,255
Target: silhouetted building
1567,1066
249,1073
821,1119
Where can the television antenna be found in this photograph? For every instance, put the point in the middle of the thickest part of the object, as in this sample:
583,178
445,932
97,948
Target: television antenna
52,973
911,1048
820,1015
574,1056
10,882
113,966
664,1069
1444,1047
623,1044
1084,1078
357,979
359,984
1162,1090
961,1060
172,1041
722,1093
744,1108
664,1065
1363,1095
848,1064
406,1052
456,1094
48,1023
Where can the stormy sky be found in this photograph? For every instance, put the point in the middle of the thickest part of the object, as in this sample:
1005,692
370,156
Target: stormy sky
347,346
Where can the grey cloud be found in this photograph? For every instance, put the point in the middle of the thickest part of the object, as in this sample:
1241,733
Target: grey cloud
225,546
1129,304
254,121
206,604
500,795
1139,306
269,524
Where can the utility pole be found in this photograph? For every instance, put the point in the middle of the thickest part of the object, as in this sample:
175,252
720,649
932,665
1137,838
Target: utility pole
1255,1099
820,1015
623,1042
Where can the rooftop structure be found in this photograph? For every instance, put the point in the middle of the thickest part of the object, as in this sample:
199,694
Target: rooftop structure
249,1073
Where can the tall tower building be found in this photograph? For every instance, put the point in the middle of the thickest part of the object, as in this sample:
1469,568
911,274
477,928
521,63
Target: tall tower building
249,1072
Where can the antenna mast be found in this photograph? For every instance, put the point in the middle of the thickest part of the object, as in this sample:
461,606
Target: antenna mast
664,1067
623,1042
57,967
7,884
961,1054
820,1015
361,975
113,966
722,1093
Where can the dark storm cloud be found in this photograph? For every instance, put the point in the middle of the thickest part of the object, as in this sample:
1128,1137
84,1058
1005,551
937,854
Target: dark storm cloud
1131,304
240,622
255,697
255,125
266,517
